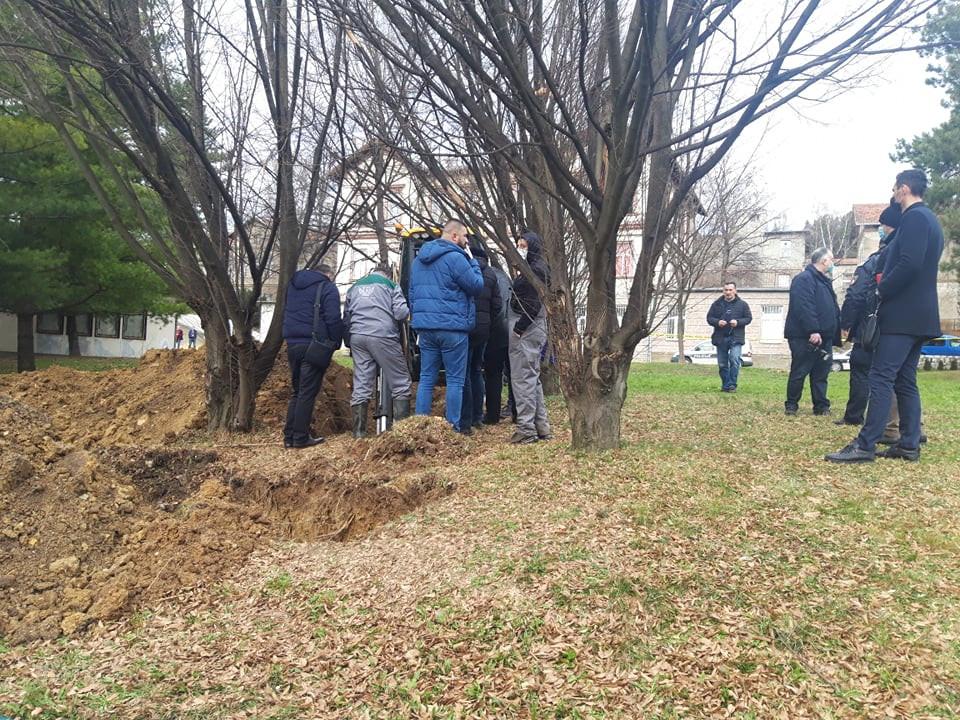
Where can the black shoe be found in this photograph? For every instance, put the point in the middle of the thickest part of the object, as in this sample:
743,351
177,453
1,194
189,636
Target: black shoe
401,409
923,438
844,421
790,412
896,452
851,454
491,421
309,442
468,431
887,440
287,443
823,413
545,437
519,438
360,419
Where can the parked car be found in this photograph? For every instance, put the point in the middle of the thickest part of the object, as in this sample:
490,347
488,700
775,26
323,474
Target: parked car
941,352
841,361
704,353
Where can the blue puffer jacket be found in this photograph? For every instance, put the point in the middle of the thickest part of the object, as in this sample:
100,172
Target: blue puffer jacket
443,284
298,312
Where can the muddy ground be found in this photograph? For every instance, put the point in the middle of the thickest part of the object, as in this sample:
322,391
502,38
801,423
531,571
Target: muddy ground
112,494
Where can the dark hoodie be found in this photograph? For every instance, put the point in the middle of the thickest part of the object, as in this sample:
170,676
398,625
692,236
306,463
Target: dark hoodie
526,300
298,311
488,302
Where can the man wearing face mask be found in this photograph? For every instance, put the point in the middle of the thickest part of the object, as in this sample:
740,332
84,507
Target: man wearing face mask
812,328
858,303
909,315
528,333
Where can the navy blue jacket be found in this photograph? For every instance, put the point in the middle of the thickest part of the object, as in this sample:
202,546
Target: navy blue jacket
526,300
738,310
488,303
861,295
298,311
500,324
443,284
908,289
813,308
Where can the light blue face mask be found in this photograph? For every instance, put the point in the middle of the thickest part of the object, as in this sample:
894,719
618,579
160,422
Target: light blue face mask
883,233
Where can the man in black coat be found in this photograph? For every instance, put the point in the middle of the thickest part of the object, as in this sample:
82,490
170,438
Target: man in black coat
495,363
858,303
729,315
812,328
909,315
488,305
308,288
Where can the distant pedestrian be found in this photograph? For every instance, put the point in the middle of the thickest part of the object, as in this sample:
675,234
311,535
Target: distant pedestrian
909,314
528,333
312,312
374,307
729,315
444,280
178,338
812,329
192,338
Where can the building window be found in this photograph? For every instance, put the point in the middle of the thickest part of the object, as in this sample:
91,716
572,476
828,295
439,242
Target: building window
135,327
50,323
84,325
670,326
771,323
107,326
783,281
625,260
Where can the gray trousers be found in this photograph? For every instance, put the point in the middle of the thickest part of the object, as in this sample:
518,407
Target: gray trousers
369,354
525,376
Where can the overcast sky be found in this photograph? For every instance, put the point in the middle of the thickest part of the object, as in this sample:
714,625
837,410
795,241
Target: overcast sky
827,156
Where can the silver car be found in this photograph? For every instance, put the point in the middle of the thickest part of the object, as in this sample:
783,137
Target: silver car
704,353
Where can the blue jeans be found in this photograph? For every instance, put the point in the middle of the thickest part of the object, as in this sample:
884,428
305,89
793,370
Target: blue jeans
473,387
894,370
728,358
447,349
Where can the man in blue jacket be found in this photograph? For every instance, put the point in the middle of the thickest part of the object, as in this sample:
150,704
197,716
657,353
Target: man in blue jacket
909,315
812,329
308,287
443,283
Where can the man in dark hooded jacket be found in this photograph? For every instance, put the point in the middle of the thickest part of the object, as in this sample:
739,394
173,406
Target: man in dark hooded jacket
528,333
308,288
487,305
495,359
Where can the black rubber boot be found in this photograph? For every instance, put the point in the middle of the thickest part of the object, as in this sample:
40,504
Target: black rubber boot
401,409
360,419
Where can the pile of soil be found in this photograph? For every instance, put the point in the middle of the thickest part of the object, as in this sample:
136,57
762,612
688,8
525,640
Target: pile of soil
101,513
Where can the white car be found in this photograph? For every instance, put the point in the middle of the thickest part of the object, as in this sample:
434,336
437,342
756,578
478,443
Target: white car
704,353
840,361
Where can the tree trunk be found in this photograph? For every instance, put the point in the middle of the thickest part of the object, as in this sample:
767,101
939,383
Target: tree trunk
73,340
26,360
595,409
230,379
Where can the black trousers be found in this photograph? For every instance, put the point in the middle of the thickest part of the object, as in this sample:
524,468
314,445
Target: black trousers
494,366
860,361
306,378
806,360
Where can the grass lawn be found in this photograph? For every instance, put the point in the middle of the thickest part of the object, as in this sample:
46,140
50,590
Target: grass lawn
8,362
713,567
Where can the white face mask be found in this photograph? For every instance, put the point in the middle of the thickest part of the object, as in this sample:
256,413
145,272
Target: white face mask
523,252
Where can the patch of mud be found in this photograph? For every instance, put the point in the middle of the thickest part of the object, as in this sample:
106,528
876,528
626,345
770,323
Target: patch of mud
163,476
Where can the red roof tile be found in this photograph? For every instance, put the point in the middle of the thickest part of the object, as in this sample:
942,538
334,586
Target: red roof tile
868,213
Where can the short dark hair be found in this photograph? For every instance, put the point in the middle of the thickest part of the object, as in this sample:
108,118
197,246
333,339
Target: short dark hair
730,282
914,179
382,268
325,269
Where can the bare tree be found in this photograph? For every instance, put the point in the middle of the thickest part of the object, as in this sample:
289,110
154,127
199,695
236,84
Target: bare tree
578,109
225,112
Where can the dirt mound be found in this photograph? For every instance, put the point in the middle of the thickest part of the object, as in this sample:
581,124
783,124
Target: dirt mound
160,399
417,436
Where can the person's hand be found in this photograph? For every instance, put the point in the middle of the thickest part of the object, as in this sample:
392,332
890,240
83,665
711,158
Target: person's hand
722,323
844,334
733,323
815,339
